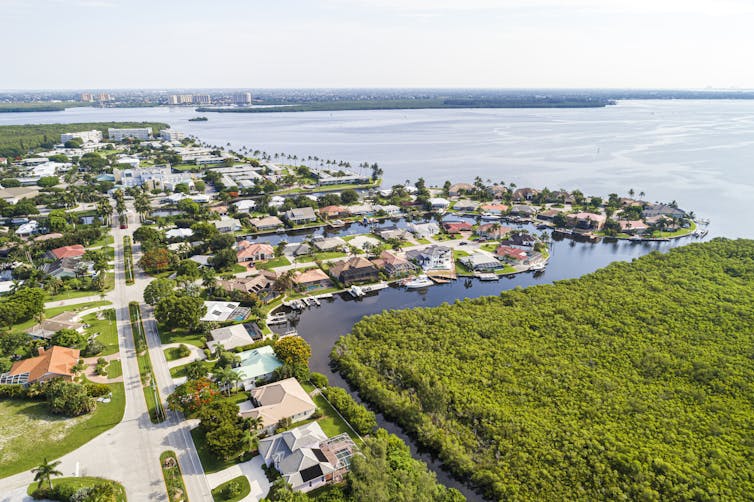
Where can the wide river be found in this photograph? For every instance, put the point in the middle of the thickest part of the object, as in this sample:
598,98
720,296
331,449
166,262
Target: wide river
697,153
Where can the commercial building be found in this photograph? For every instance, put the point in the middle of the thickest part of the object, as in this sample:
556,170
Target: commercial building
181,99
140,133
242,98
85,136
202,99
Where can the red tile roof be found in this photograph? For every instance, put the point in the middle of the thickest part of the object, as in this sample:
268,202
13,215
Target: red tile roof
68,251
58,361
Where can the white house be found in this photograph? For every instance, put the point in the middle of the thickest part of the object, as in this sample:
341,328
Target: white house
226,224
433,257
245,205
423,230
439,203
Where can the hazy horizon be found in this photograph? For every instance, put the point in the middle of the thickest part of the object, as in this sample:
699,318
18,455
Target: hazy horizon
334,44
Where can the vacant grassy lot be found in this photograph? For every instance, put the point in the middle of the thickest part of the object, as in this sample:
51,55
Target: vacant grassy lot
51,312
30,432
107,329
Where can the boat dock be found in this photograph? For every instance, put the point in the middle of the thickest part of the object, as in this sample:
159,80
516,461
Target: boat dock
482,276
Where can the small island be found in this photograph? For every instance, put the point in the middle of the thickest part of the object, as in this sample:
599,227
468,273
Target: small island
198,119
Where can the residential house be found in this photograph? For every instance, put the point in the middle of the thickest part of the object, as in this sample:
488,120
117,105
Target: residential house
390,233
306,458
495,209
424,230
523,210
284,399
361,209
48,327
460,188
231,337
333,212
75,251
562,197
663,210
524,194
388,209
312,279
55,362
549,214
266,223
179,233
300,215
252,284
254,251
364,242
220,209
226,225
256,364
69,267
511,254
480,261
244,206
456,227
465,205
224,311
492,231
328,243
394,264
28,228
433,257
296,249
588,221
355,269
519,238
438,203
633,227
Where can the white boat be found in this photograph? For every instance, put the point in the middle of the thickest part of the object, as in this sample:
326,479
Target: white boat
537,266
421,281
356,292
490,216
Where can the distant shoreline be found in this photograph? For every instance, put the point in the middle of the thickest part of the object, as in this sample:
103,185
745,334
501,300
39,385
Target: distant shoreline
417,104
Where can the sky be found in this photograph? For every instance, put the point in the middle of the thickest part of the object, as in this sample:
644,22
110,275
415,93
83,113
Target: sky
91,44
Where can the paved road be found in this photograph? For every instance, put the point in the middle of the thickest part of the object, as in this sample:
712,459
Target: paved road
130,451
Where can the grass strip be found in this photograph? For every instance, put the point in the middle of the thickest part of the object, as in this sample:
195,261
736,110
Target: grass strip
148,380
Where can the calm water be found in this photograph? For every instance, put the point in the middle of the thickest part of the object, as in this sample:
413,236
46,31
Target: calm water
695,152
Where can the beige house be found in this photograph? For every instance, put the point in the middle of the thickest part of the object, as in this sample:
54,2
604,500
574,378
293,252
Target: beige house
276,401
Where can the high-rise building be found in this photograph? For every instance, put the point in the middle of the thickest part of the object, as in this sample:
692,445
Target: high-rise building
180,99
103,96
202,99
242,98
171,135
86,97
137,133
85,136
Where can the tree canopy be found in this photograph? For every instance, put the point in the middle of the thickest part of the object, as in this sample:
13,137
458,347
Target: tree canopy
632,383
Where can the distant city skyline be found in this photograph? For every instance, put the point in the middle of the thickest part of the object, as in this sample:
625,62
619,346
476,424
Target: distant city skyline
118,44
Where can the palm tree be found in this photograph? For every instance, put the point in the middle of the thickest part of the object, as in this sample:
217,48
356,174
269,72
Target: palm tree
642,194
226,378
255,423
284,282
44,472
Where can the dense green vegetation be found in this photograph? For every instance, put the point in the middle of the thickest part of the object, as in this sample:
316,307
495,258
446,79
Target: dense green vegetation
16,140
412,104
171,472
80,488
39,106
632,383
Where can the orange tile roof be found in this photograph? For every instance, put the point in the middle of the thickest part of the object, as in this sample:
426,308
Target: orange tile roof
56,360
312,275
68,251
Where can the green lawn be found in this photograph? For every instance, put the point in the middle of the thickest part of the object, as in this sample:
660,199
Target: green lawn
280,261
180,371
84,482
325,255
52,312
423,241
75,293
31,433
107,329
507,269
172,354
209,461
114,369
151,395
461,268
331,423
104,241
179,335
218,493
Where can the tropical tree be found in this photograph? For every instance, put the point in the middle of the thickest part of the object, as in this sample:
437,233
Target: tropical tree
45,471
226,379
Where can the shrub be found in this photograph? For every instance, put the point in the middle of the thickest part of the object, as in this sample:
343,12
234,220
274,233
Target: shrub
93,348
357,415
318,380
183,351
233,490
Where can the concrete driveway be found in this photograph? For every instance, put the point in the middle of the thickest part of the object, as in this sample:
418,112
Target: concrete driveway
253,472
